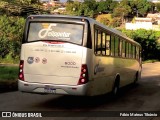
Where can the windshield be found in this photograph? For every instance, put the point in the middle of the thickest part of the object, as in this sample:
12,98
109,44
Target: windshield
56,31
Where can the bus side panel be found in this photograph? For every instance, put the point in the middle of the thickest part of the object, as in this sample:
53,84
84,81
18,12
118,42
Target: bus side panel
127,69
101,75
106,69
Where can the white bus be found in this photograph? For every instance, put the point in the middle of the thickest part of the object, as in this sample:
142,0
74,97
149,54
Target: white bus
73,55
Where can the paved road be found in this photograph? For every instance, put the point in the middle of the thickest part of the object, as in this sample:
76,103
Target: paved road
144,97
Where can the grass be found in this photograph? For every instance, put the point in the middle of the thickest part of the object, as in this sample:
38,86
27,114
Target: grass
8,78
9,59
8,72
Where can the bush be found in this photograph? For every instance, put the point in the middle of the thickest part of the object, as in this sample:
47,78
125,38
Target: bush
116,22
10,36
104,21
148,40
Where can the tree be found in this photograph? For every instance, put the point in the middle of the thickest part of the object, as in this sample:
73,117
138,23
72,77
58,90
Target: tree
87,8
122,10
112,5
73,8
140,7
11,33
148,40
157,5
102,6
69,1
91,4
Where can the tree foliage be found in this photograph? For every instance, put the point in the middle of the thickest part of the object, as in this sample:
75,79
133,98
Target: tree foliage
118,9
148,40
10,36
140,7
157,5
12,25
87,8
122,9
74,8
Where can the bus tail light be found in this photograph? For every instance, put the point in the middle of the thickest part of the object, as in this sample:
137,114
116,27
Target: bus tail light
21,75
84,75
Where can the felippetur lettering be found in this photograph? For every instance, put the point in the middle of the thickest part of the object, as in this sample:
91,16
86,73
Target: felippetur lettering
50,33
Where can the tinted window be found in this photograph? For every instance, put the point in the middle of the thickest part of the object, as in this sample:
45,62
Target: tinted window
56,31
108,37
102,42
112,46
116,46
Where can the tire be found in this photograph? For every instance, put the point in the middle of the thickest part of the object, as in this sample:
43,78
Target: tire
115,90
135,79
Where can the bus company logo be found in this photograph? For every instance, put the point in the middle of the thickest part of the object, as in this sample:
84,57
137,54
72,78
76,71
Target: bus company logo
45,25
30,60
48,32
44,60
37,59
70,63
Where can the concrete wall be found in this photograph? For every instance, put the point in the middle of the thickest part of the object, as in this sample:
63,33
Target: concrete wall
139,25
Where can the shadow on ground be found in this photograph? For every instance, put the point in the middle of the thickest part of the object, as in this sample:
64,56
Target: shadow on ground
8,86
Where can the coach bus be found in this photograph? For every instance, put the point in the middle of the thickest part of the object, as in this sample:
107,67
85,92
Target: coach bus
73,55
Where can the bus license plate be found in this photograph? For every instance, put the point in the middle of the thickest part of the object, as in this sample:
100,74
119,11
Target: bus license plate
49,90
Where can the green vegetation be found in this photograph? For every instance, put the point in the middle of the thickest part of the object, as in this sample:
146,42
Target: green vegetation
8,73
148,40
11,33
121,11
12,20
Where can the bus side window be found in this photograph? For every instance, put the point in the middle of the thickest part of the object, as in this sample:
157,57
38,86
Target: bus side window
134,51
120,48
130,50
116,46
137,52
97,42
126,50
123,49
108,37
112,46
103,44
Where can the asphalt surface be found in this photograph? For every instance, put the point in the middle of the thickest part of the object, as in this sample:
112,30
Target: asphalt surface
145,96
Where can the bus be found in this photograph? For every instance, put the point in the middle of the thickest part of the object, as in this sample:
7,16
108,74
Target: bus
74,55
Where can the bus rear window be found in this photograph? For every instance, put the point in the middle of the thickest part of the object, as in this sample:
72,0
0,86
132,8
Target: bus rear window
56,31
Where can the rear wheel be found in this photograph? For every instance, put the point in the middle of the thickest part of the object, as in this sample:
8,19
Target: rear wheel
115,89
135,79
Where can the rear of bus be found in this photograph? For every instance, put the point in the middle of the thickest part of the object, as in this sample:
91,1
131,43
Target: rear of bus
54,55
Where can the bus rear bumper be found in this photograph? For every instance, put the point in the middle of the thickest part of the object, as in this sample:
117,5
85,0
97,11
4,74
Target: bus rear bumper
39,88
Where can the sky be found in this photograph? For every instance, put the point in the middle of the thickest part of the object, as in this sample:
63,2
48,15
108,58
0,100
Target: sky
63,0
66,0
